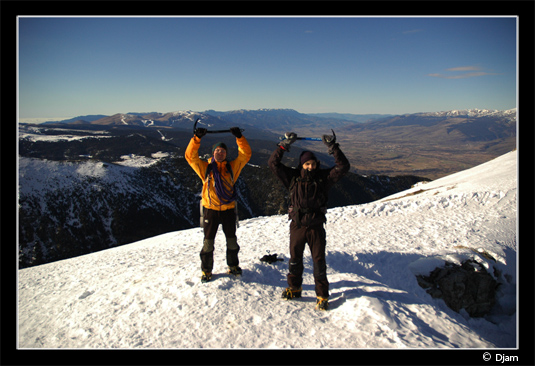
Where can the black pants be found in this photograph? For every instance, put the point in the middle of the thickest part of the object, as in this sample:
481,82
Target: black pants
212,221
315,236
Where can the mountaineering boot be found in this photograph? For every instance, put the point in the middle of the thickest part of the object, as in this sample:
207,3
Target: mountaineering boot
289,294
234,270
206,276
322,303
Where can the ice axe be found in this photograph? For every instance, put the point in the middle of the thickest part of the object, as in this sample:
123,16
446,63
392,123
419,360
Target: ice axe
309,138
216,131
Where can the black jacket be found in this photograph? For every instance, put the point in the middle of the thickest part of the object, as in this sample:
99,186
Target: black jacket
309,190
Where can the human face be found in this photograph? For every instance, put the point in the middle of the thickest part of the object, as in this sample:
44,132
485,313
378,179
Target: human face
220,154
310,165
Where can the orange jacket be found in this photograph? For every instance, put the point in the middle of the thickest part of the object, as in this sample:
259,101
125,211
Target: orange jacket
209,196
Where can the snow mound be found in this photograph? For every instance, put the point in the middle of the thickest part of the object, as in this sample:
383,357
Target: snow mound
148,294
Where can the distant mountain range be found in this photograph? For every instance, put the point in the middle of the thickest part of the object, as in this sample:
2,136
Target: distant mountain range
430,144
268,119
361,118
451,126
272,117
501,123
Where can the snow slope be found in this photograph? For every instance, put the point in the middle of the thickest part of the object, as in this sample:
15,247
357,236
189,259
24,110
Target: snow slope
148,294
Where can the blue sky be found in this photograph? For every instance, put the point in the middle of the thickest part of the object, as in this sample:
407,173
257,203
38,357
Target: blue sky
77,66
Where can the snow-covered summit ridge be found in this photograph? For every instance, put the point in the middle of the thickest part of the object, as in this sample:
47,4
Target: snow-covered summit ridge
155,299
499,174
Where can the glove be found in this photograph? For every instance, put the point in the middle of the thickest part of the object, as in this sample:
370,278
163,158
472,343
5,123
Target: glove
290,138
330,141
200,132
271,258
236,132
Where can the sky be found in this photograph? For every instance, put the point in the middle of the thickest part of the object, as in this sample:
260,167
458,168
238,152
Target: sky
75,66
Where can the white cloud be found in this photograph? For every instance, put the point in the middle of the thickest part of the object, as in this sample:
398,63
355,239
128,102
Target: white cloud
464,68
476,72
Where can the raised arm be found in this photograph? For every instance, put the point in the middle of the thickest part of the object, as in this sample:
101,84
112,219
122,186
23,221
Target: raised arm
244,153
342,165
192,157
280,170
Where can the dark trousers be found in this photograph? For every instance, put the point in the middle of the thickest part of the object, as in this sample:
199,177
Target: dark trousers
315,236
212,220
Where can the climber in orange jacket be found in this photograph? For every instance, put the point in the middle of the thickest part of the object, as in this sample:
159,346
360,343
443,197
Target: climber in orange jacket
218,196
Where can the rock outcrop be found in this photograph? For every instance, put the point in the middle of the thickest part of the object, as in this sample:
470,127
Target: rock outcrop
467,286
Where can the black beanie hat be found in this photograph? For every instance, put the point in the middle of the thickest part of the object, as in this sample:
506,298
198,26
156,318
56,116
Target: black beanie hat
306,156
221,145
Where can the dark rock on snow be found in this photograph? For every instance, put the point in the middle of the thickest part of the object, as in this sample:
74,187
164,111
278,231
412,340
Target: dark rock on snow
467,286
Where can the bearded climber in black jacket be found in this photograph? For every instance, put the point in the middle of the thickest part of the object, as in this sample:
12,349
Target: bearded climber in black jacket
308,186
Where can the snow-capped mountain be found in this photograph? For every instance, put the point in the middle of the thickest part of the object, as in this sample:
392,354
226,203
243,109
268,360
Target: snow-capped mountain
276,119
510,114
148,294
176,119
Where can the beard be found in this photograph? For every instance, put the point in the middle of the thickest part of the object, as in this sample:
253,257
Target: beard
308,173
